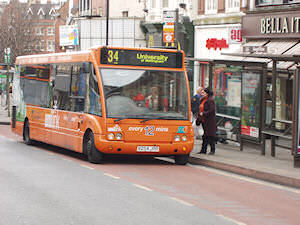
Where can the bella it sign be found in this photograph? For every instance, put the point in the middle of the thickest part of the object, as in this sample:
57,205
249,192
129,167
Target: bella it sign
270,25
278,25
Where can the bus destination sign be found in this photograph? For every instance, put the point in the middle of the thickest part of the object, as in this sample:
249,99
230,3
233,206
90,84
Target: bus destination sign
127,57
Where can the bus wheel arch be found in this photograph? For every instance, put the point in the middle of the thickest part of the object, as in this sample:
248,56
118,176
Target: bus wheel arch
89,148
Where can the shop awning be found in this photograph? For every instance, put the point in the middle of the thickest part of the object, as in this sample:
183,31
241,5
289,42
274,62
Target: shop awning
286,52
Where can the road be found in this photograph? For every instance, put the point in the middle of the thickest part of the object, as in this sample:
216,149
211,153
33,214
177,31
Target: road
46,185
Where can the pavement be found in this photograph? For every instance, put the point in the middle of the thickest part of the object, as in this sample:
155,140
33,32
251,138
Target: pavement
249,162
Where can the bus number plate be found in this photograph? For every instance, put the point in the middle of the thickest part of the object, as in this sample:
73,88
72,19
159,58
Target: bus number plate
148,149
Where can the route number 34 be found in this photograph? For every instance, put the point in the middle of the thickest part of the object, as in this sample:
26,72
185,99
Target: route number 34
113,56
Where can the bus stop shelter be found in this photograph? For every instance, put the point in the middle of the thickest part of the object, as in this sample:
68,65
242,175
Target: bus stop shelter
292,127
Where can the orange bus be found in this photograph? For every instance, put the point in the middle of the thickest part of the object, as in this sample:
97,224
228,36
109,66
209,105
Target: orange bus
105,101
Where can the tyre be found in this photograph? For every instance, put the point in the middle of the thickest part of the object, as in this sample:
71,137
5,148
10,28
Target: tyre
181,159
93,155
26,137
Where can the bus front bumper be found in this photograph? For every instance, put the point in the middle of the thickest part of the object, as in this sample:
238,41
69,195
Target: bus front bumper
140,148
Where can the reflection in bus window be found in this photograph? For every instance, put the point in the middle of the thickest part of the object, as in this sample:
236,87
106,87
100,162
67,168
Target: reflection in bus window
145,93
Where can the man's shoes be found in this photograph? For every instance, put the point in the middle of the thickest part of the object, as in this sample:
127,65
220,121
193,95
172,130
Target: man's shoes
211,153
201,152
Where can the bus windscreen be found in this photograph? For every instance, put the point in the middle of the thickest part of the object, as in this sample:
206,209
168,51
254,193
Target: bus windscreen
128,57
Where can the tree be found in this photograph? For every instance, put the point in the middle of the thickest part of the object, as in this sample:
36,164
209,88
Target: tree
17,30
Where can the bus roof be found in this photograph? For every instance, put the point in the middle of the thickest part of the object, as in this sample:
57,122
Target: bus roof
55,57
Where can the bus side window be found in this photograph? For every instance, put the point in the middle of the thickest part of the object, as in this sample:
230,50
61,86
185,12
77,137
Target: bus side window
61,90
78,87
93,101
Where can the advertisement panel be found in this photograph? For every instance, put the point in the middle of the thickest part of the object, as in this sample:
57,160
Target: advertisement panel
169,26
68,35
250,119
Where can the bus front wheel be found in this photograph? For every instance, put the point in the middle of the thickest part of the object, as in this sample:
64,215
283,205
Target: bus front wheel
93,155
181,159
26,138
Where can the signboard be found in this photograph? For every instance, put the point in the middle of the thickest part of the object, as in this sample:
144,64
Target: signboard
250,104
141,58
169,18
235,35
216,43
272,25
68,35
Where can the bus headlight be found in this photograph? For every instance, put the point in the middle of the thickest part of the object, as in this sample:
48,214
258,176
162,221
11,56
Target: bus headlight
119,136
177,138
110,136
184,138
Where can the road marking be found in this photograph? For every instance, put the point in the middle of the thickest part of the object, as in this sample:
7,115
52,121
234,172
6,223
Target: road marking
181,201
142,187
88,167
248,179
112,176
7,139
231,220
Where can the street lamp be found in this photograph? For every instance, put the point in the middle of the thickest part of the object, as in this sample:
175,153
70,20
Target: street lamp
107,20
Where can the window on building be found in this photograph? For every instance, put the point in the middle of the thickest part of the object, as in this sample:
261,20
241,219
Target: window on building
232,5
40,46
271,2
153,3
39,31
50,46
125,13
50,31
165,3
211,6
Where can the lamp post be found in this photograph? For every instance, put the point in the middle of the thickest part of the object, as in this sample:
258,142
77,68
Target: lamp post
107,20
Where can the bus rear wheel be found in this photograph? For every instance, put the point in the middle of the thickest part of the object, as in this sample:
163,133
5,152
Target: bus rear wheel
181,159
93,155
26,137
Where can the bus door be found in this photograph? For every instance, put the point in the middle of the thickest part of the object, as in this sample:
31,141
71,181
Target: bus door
69,94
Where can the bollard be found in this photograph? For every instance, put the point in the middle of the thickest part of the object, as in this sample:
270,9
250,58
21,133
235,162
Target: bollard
14,116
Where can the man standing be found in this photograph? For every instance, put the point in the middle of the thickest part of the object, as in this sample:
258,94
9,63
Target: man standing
195,110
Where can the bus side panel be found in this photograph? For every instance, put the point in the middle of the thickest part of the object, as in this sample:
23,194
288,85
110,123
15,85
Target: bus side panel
19,128
38,130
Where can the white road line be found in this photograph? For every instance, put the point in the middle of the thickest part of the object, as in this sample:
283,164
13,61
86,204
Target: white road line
112,176
232,220
181,201
248,179
7,139
88,167
142,187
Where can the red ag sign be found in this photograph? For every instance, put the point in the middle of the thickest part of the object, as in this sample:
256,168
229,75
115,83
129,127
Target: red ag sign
215,43
235,35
